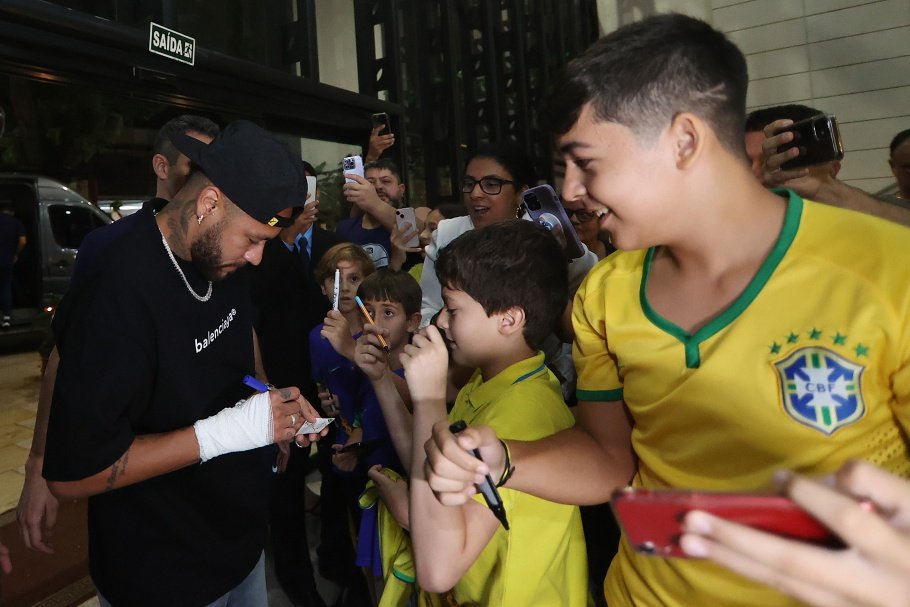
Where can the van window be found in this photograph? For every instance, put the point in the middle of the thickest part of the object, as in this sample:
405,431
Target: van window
71,223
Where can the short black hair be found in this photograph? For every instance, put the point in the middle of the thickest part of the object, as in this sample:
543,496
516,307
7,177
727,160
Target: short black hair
645,73
181,125
899,139
757,120
392,285
513,263
384,163
512,157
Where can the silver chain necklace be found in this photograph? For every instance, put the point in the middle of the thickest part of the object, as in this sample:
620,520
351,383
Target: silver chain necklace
202,298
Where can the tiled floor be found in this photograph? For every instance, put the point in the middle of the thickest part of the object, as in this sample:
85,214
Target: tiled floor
20,380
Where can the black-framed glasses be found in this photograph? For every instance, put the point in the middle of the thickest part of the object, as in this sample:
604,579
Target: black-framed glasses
581,215
489,185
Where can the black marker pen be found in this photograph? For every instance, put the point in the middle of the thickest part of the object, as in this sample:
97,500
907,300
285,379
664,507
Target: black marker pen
487,488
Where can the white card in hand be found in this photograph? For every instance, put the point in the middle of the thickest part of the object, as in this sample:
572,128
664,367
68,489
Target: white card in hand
315,427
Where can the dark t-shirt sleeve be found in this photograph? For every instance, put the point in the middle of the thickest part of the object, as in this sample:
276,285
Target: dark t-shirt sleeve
103,381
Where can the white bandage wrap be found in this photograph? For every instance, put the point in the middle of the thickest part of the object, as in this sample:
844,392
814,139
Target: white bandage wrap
247,425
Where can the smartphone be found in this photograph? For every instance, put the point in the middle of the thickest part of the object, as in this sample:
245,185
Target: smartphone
542,205
652,519
406,215
352,164
362,448
310,190
382,119
818,139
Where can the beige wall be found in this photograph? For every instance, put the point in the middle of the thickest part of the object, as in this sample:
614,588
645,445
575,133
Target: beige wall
846,57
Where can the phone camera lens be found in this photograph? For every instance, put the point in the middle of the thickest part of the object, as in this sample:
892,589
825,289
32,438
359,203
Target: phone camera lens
532,202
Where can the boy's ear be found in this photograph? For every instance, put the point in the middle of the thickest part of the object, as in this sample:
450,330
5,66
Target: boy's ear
688,133
511,321
161,166
414,322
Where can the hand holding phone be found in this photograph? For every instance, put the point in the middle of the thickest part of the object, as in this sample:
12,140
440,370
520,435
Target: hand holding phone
652,519
361,447
352,164
817,138
382,120
310,190
403,217
544,207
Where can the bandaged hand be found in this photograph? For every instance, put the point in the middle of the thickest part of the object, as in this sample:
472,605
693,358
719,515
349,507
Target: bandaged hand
255,422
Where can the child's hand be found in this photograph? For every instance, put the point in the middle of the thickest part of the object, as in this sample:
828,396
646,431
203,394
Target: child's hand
394,494
329,404
346,462
337,330
426,365
369,355
452,471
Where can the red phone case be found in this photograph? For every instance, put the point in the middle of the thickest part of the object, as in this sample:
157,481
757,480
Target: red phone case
652,519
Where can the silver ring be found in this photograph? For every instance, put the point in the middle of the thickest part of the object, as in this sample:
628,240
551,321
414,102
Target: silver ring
293,419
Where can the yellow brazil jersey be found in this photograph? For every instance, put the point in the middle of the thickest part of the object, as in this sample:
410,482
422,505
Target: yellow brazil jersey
541,559
806,369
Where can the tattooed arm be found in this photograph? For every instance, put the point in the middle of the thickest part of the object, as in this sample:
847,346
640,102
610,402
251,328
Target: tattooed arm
149,455
260,420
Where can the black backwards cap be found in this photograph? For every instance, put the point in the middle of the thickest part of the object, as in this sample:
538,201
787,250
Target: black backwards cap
256,170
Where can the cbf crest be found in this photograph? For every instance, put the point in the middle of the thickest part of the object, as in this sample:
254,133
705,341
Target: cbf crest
821,389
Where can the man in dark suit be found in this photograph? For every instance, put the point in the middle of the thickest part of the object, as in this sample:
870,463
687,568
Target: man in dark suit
290,304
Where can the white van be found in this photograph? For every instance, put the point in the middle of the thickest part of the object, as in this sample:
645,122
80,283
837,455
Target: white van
56,219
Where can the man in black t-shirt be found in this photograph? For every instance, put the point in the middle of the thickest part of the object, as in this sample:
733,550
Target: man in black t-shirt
155,348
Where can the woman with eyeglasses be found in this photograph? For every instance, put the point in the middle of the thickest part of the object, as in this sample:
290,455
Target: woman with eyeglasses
494,178
587,228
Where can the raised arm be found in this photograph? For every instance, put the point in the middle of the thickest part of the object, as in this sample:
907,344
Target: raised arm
363,195
446,540
371,359
818,185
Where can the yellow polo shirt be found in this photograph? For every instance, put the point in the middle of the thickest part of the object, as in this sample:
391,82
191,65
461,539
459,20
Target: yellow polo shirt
541,559
806,369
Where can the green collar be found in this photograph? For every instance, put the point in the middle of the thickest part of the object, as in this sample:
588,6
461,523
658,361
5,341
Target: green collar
480,393
727,316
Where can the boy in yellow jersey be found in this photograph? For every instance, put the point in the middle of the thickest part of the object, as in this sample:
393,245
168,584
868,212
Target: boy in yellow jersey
737,331
504,288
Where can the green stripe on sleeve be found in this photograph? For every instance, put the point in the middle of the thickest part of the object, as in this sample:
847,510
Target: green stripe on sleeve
599,395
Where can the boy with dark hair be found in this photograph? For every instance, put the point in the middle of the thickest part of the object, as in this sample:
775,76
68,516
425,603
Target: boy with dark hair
737,331
392,298
504,288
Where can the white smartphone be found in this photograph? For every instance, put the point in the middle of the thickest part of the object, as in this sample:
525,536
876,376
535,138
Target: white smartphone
310,190
352,164
405,215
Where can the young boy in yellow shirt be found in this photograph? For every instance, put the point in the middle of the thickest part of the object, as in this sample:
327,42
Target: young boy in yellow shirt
504,288
737,330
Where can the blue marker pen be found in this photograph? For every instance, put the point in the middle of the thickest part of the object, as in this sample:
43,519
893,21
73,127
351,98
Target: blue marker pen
255,384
